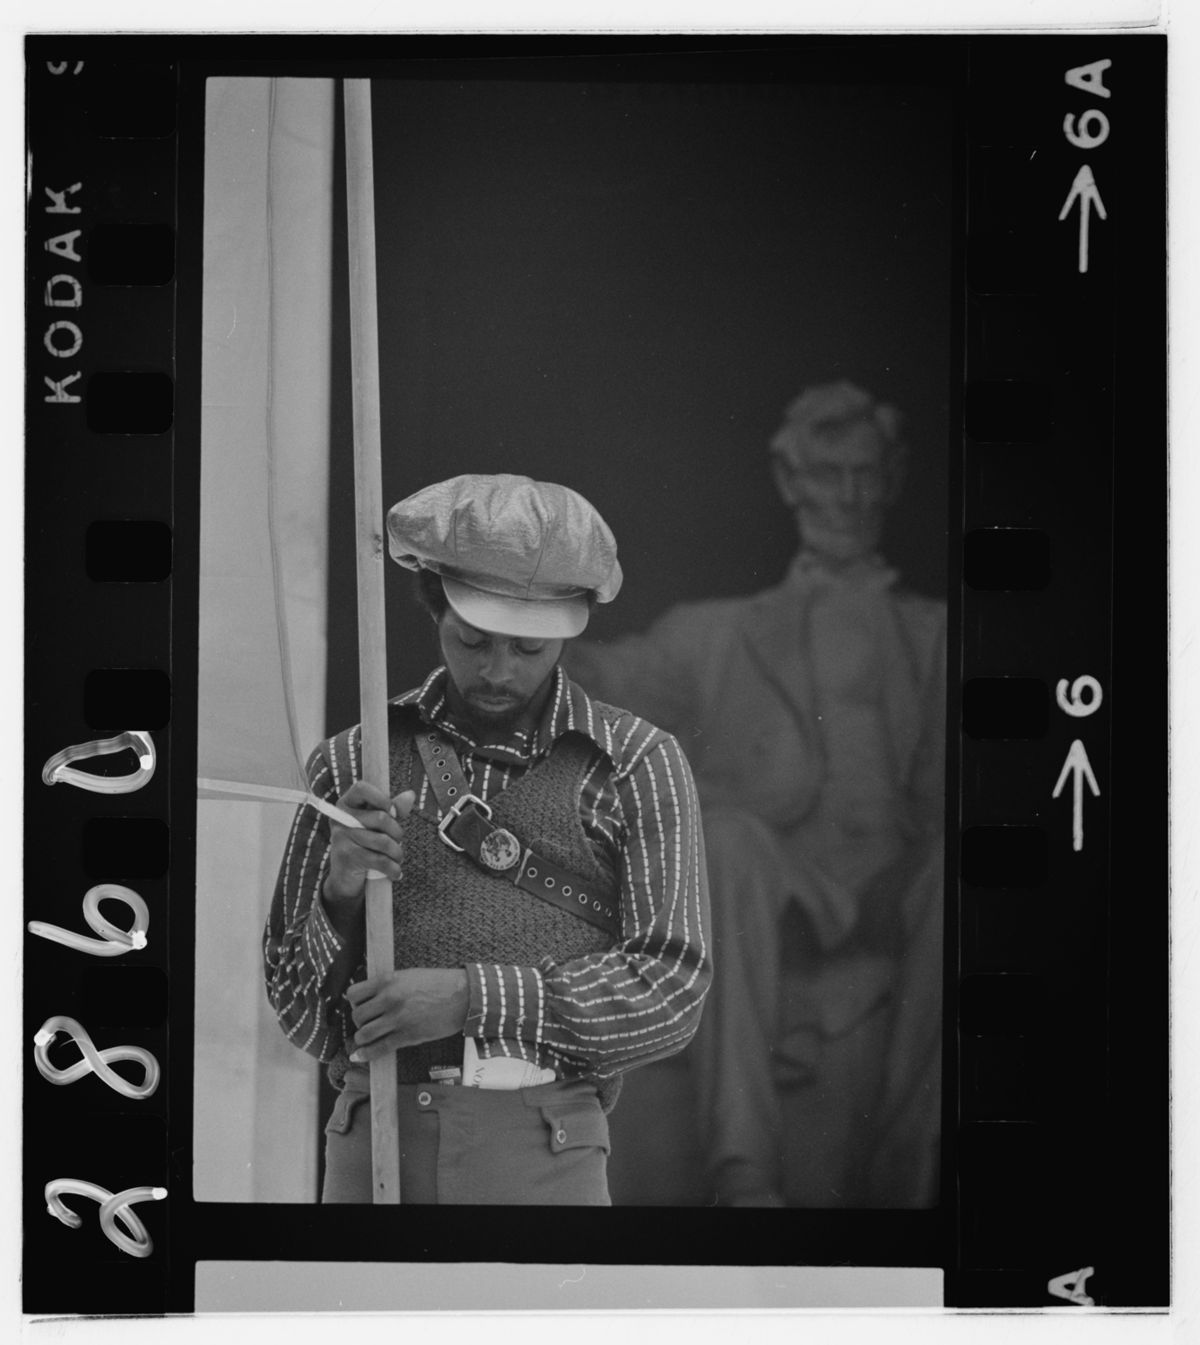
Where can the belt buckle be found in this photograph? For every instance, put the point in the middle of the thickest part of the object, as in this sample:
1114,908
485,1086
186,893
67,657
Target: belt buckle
452,816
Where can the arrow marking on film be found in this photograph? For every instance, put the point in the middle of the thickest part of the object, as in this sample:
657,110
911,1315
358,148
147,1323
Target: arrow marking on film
1079,768
1085,191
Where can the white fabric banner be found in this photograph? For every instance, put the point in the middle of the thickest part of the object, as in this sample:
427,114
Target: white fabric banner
265,432
264,426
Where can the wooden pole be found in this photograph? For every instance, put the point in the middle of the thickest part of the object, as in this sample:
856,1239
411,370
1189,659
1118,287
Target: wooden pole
372,643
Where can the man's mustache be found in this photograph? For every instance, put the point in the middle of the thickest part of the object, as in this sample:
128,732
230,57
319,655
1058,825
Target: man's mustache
490,694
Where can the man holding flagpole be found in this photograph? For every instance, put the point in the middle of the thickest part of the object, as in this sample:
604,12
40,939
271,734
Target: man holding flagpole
549,895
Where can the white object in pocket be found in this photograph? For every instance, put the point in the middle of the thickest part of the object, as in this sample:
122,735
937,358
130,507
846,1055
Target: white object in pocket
500,1071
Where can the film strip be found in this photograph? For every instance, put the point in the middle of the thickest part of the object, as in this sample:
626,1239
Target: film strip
1048,590
1054,1177
101,298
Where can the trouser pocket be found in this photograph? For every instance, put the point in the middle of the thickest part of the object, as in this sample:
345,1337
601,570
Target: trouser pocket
348,1152
341,1119
576,1123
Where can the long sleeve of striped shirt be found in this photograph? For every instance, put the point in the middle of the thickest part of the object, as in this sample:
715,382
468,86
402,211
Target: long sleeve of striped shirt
300,945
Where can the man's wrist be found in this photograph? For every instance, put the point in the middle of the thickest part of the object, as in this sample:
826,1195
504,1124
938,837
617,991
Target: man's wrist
344,911
333,892
460,999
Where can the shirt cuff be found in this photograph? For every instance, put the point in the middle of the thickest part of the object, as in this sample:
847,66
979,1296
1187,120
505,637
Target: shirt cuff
320,941
505,1002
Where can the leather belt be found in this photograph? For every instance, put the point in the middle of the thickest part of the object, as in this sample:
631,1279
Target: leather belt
466,825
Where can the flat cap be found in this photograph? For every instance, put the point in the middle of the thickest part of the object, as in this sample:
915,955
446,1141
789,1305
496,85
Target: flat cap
516,556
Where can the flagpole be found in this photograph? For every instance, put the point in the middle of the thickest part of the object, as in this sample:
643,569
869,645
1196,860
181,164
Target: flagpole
370,549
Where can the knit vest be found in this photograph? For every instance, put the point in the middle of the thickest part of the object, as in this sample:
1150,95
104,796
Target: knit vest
447,911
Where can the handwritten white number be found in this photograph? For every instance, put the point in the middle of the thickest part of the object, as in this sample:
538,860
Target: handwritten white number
113,940
58,769
1083,138
114,1208
93,1061
1079,706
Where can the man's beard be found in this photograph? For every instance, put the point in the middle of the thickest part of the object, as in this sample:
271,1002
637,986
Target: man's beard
503,717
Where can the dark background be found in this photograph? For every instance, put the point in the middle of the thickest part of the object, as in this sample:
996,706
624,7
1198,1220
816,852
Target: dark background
619,284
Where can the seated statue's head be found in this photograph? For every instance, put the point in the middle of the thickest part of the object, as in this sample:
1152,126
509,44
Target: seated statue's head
838,461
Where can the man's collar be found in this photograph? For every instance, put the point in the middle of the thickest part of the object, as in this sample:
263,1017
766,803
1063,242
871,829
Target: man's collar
568,708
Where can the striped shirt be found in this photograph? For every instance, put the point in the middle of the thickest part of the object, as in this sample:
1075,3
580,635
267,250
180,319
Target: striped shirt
599,1013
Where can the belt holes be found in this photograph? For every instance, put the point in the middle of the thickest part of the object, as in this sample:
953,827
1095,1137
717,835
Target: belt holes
549,882
452,791
532,872
567,889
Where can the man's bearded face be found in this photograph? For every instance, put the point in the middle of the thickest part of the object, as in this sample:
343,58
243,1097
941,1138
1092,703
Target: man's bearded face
497,682
837,487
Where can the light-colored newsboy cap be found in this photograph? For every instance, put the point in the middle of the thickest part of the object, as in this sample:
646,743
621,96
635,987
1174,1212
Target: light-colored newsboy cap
516,556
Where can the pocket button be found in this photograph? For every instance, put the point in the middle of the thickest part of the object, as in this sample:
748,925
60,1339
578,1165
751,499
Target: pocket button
424,1099
561,1135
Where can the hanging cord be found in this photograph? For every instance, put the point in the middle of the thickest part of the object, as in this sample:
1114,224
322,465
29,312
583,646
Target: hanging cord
274,794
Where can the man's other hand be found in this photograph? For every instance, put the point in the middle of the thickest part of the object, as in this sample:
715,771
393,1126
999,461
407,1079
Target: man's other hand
405,1008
